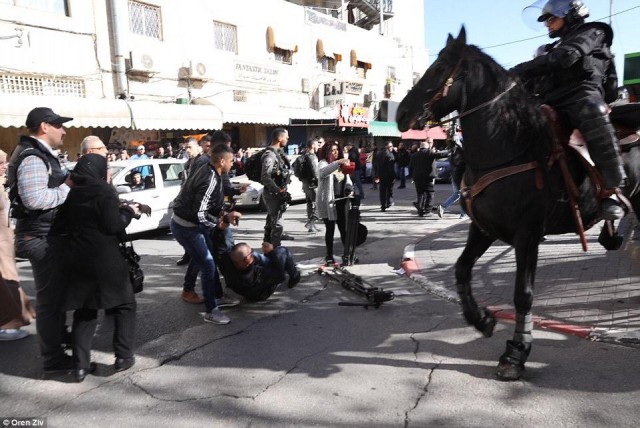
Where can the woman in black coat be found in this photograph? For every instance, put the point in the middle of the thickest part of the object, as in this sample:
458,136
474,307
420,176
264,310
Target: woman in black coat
96,272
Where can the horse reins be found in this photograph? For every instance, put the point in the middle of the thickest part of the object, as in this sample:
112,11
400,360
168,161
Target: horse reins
478,107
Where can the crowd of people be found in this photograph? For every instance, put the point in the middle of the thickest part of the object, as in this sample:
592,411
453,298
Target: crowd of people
64,222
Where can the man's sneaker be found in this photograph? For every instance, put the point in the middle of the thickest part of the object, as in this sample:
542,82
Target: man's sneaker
440,211
287,237
329,261
192,297
309,226
315,228
227,301
12,334
216,317
295,279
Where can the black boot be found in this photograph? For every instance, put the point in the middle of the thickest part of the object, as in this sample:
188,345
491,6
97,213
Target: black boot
602,143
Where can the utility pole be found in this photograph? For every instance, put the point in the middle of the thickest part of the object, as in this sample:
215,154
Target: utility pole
610,11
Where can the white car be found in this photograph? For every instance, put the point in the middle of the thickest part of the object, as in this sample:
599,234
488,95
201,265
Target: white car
161,180
253,196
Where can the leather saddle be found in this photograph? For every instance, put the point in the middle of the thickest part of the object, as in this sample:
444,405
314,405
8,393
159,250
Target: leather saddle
626,122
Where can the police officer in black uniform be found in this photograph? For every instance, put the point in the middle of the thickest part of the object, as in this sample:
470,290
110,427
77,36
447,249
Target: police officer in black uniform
576,76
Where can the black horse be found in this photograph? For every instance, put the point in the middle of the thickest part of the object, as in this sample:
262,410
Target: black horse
506,131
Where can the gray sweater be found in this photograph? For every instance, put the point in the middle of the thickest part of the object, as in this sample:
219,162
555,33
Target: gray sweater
325,203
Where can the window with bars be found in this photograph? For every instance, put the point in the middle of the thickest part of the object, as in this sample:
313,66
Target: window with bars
144,19
39,85
225,37
328,63
54,6
282,55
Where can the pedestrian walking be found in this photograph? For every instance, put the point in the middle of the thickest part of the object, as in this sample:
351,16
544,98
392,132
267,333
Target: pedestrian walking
403,159
385,175
424,174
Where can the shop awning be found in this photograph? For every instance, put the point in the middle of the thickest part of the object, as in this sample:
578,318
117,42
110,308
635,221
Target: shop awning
384,129
265,114
151,115
437,133
86,112
283,37
328,47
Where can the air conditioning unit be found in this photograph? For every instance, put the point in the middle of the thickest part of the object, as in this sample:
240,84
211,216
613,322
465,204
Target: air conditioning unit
370,98
141,63
197,70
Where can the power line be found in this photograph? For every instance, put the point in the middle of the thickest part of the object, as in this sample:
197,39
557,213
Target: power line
544,35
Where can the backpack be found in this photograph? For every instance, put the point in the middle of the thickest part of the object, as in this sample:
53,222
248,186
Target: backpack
302,168
253,166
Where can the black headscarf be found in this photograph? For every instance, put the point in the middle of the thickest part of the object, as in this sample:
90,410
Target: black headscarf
90,168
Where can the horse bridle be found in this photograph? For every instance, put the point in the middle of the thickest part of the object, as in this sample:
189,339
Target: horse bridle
444,91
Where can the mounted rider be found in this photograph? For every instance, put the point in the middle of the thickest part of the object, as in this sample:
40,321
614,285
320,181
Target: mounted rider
576,76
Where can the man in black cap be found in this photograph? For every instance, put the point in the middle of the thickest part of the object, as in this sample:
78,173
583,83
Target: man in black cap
38,187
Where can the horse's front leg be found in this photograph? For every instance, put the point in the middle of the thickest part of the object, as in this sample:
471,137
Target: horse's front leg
511,363
477,244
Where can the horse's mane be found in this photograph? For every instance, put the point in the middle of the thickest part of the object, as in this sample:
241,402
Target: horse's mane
517,112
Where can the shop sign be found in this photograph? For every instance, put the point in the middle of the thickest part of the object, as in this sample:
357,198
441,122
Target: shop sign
317,18
256,73
354,116
334,92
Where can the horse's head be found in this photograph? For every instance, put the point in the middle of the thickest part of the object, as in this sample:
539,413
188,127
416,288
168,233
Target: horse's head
439,91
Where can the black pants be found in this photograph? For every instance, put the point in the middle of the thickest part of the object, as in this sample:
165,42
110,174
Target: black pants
424,191
84,327
330,227
386,193
42,253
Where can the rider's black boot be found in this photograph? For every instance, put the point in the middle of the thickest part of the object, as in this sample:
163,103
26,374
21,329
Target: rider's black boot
603,148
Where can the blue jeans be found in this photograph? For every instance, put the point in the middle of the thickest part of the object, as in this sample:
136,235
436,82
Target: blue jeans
197,243
221,239
455,196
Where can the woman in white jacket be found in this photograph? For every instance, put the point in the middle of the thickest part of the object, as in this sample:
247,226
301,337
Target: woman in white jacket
331,184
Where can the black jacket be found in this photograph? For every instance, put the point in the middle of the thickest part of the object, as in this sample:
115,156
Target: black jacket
423,164
93,269
575,67
385,170
201,198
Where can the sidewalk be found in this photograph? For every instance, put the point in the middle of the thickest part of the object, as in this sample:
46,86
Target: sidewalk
595,295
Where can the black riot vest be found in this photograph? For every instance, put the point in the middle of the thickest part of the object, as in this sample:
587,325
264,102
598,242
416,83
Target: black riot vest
586,76
35,222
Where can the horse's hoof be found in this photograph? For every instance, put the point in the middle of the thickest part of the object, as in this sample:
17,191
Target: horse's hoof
610,243
508,371
486,324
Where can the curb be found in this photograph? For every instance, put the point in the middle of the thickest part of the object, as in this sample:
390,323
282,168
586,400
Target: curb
413,272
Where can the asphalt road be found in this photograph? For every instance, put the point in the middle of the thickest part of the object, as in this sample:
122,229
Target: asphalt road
301,360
